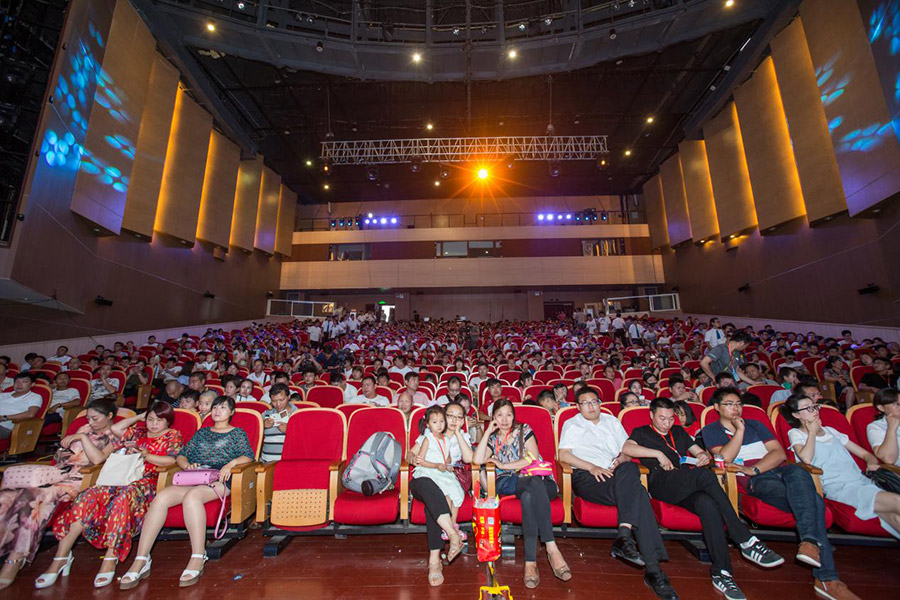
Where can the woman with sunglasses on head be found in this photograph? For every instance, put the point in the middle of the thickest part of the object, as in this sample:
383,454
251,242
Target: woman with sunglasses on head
832,451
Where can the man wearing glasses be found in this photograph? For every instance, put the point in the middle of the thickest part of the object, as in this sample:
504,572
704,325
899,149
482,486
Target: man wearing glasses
591,442
749,446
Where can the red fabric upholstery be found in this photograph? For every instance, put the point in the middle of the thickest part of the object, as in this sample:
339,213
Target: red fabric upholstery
329,396
605,387
315,434
301,474
767,515
595,515
355,509
860,416
765,393
417,515
845,518
511,510
671,516
175,516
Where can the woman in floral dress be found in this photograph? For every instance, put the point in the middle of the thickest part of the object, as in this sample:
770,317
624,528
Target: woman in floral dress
109,517
25,512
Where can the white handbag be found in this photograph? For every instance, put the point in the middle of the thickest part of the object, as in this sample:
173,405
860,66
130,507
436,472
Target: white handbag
121,469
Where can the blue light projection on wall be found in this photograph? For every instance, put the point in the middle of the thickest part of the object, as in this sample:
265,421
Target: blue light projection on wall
80,86
883,28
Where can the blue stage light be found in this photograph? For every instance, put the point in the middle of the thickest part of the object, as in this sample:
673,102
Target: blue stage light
540,217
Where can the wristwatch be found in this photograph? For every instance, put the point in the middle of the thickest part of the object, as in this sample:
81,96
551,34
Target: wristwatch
755,470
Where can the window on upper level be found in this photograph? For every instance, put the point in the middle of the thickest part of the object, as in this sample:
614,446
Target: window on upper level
474,249
603,247
348,252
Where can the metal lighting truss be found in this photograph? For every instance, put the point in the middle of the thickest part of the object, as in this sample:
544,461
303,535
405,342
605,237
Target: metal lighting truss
471,149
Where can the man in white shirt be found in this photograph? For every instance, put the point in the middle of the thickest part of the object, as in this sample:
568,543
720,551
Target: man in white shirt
368,395
592,442
315,334
454,387
258,375
412,388
350,391
591,325
21,403
618,327
636,333
475,381
63,396
62,355
603,323
714,335
400,366
5,380
884,433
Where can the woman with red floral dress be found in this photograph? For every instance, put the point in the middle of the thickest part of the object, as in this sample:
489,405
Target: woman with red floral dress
109,517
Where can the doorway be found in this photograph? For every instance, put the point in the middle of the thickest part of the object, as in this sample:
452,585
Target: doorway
553,309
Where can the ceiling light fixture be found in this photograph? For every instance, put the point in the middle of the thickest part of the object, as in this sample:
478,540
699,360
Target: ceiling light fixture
326,187
628,153
429,126
612,33
320,47
437,183
417,57
210,25
456,31
554,170
522,26
241,5
729,3
483,173
512,53
649,119
309,163
445,171
548,21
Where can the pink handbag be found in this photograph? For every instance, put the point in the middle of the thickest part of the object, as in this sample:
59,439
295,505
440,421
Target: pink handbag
537,468
205,477
31,476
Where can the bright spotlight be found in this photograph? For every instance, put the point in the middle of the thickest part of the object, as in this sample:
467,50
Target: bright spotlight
210,25
437,183
309,163
549,217
649,119
568,217
393,220
729,3
416,57
512,53
628,153
241,5
559,217
429,126
540,217
369,215
383,221
326,187
367,221
483,173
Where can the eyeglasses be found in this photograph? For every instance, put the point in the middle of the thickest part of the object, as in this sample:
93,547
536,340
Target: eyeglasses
732,404
455,417
813,408
589,403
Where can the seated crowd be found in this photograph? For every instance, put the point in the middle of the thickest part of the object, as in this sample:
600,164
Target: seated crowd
699,387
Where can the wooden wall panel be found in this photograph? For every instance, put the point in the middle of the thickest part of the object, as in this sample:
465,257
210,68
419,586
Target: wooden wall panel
152,141
287,212
728,172
676,203
182,185
866,148
777,195
115,119
267,215
219,183
656,213
246,203
820,180
698,189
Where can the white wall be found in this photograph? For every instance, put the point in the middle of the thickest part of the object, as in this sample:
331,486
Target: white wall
888,334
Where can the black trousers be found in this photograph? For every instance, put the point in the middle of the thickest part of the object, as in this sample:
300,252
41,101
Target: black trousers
698,491
535,494
428,493
624,491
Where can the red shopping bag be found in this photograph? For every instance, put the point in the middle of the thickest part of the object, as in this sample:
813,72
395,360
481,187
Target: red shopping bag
486,525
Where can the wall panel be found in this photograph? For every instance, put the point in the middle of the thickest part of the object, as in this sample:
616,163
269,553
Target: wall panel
219,182
109,149
287,212
676,203
152,141
866,147
246,203
767,145
656,212
698,190
182,185
820,180
267,215
728,172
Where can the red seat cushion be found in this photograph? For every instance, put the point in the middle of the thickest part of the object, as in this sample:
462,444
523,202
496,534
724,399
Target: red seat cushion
51,430
845,518
175,517
590,514
511,510
352,508
417,515
671,516
767,515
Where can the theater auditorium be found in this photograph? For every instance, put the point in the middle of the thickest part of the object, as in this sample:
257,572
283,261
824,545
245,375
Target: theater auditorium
389,299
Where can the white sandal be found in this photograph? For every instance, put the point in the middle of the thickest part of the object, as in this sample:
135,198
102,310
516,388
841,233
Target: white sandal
48,579
131,579
193,576
104,579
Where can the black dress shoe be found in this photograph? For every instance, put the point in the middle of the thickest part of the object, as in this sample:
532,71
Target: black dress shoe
625,548
659,583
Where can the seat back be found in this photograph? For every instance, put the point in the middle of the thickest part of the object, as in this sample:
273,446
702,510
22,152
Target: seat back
706,394
46,395
764,392
349,409
326,396
186,422
541,422
544,377
634,417
305,404
711,415
604,387
614,408
857,372
414,418
83,386
532,391
509,377
859,417
316,434
259,407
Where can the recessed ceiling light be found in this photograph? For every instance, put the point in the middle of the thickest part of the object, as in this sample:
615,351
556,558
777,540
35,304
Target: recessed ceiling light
326,187
437,183
650,119
729,3
210,25
417,57
628,153
512,53
308,163
429,126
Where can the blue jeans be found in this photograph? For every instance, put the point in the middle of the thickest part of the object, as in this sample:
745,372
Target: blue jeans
792,490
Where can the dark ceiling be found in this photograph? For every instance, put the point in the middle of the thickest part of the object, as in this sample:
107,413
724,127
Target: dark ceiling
289,111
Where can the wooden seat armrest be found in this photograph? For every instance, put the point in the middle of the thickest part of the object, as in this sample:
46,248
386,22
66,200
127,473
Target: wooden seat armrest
566,490
728,480
335,487
816,473
264,477
243,491
491,470
165,475
25,435
404,490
